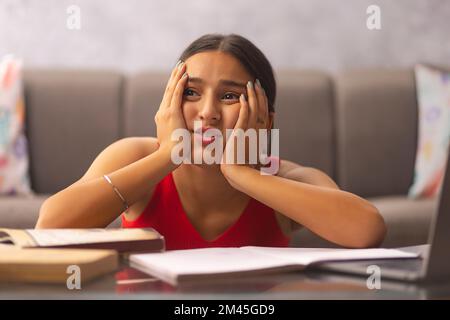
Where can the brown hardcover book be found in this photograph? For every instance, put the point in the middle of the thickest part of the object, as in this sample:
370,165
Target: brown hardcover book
52,265
121,240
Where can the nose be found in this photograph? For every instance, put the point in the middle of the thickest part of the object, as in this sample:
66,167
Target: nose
209,110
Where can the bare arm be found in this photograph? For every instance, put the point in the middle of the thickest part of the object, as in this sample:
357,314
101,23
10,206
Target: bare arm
91,201
305,195
335,215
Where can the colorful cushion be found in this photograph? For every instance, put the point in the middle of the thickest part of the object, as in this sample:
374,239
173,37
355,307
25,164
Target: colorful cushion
14,178
433,95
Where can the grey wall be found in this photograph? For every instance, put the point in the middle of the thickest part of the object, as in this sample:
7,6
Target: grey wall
132,35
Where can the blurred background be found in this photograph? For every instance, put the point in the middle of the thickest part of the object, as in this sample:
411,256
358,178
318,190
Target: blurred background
351,101
133,35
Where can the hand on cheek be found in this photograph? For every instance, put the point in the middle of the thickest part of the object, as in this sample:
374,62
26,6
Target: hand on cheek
253,114
254,110
263,106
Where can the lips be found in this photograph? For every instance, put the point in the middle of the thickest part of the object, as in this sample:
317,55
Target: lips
199,135
202,130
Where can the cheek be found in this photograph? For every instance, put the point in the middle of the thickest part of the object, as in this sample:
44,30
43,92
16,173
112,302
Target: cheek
188,111
230,115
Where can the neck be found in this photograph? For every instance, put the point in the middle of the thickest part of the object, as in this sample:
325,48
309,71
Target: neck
205,185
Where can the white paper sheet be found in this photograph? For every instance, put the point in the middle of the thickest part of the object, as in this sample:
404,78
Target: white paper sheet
52,237
170,264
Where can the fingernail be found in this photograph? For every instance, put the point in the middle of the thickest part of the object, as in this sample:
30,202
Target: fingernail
179,61
185,75
258,83
250,85
243,97
180,65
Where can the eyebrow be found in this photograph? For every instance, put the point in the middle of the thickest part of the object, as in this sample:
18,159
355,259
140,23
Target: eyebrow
225,82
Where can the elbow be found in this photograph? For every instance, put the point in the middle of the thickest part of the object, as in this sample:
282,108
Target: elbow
41,221
374,231
44,220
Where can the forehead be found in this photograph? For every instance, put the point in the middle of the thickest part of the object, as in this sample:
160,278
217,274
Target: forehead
215,65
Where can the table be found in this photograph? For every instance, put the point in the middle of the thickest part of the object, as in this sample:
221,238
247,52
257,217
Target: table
128,283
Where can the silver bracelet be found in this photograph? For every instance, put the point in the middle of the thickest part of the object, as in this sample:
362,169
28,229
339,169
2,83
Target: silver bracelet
126,206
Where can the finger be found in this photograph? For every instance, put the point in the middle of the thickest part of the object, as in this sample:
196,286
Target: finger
266,99
263,108
176,75
177,96
169,82
243,113
174,71
253,105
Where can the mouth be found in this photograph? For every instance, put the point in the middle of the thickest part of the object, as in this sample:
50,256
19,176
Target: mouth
200,136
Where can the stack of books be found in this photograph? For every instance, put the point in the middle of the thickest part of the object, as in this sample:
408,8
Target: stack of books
45,255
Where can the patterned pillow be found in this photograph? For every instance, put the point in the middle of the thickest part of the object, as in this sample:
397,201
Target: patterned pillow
13,144
433,95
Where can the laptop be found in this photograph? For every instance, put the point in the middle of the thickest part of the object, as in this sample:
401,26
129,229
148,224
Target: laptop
433,263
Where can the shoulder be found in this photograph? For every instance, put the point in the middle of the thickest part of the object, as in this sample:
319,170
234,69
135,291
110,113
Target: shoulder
136,147
296,172
135,144
130,149
293,171
118,155
147,145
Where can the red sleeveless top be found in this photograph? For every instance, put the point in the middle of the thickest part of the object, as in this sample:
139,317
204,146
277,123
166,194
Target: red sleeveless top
256,226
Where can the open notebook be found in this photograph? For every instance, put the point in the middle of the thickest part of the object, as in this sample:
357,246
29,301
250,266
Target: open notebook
211,263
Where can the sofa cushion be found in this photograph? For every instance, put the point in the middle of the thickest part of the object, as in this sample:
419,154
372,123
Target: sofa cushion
142,97
408,220
376,131
14,161
20,211
304,114
71,117
408,223
433,94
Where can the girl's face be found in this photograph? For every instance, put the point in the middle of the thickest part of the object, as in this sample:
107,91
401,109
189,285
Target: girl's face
211,96
216,80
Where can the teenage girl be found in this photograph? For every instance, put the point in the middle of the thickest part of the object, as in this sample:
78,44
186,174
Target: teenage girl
225,82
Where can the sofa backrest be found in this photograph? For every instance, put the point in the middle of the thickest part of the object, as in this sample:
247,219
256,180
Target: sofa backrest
376,131
305,118
71,116
359,127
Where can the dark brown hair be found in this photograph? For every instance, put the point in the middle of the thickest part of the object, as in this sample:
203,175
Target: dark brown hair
253,60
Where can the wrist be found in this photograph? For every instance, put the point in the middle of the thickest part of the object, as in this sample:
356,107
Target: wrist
233,172
165,155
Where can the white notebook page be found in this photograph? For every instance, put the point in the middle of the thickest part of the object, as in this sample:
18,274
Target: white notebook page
306,256
204,261
218,260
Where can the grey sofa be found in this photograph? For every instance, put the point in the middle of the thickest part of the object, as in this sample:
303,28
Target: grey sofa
359,127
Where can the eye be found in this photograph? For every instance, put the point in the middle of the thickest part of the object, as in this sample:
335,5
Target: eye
190,92
230,96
